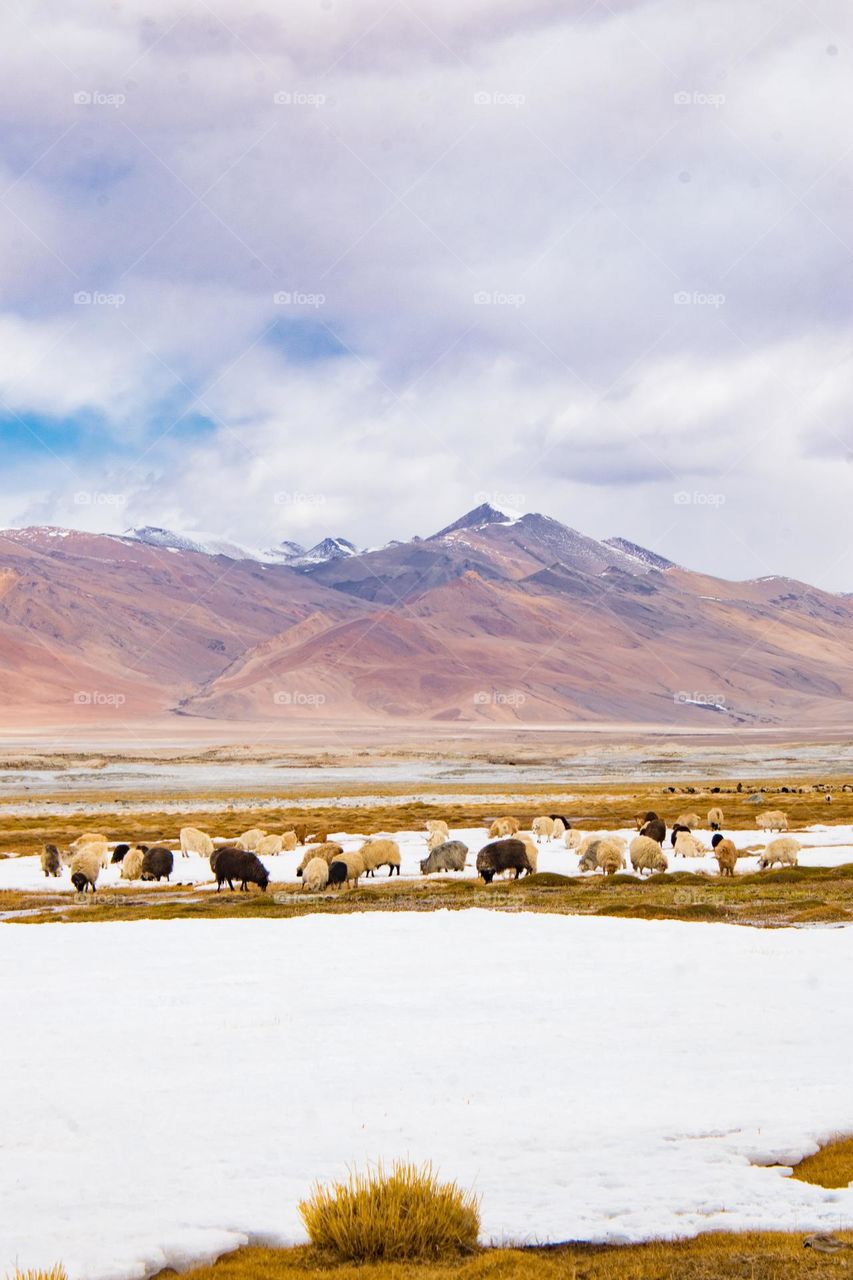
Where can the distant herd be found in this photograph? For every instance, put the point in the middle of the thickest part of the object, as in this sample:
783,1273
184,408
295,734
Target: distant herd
509,851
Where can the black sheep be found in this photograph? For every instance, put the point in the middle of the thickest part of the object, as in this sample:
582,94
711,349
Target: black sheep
231,864
119,851
502,855
654,827
157,863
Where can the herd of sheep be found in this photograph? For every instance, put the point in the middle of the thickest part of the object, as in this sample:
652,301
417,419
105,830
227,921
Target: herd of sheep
509,851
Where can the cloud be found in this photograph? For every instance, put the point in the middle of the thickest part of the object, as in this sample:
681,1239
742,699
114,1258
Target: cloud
394,254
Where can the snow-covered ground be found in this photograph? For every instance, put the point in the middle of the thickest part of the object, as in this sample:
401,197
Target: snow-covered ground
173,1088
822,847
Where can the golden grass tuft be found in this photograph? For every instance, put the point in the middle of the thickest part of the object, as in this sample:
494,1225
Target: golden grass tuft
56,1272
402,1215
831,1166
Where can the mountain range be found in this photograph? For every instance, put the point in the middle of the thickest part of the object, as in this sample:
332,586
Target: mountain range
500,617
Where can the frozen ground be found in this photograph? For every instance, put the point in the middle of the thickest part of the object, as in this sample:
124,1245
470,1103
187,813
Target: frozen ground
172,1088
823,847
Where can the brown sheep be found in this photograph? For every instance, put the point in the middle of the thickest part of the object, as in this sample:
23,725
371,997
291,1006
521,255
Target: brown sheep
725,853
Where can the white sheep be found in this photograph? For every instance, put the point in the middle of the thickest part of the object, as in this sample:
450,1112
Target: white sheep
689,820
542,828
783,850
131,864
688,846
288,842
269,846
532,852
609,857
315,875
647,855
250,839
772,820
85,866
435,825
573,838
434,839
559,829
327,850
377,853
715,818
195,841
88,837
345,869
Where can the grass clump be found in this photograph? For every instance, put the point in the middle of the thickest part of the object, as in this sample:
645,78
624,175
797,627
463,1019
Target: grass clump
402,1216
831,1166
56,1272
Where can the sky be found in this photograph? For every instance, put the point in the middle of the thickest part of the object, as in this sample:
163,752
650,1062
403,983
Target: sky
282,271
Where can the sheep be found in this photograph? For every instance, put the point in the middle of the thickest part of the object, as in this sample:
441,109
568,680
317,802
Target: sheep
688,820
321,836
688,846
100,848
725,853
288,842
532,852
559,829
195,841
119,853
502,855
654,827
715,818
437,825
499,829
85,866
642,818
346,869
250,839
377,853
50,861
542,827
269,846
157,863
588,860
676,828
88,837
772,820
561,817
587,841
131,863
435,839
783,850
573,838
449,856
647,855
602,855
328,851
316,875
230,864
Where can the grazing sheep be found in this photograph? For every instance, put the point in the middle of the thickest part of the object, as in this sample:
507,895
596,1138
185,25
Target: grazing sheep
435,839
318,837
250,839
783,850
559,829
609,857
772,820
647,855
573,838
346,869
85,866
88,837
229,864
449,856
500,827
688,846
676,827
195,841
588,860
118,852
377,853
157,863
328,851
561,817
288,842
587,841
532,852
715,818
269,846
50,861
725,853
502,855
315,877
131,864
688,820
542,828
654,827
437,825
100,848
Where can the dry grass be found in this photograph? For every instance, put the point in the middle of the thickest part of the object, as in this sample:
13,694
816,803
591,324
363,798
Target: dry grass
398,1216
56,1272
747,1256
832,1166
